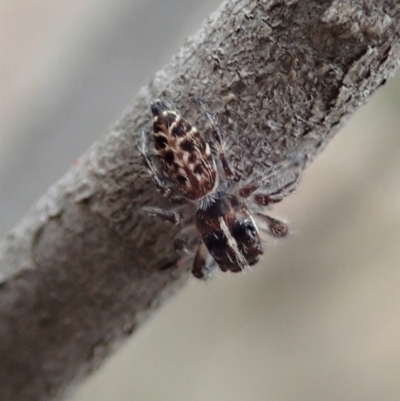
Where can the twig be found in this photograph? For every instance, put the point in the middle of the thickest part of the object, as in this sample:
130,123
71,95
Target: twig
85,267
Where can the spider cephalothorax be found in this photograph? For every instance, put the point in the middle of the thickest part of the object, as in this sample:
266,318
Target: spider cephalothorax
185,163
229,232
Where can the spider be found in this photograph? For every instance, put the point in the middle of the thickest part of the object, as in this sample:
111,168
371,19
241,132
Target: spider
185,163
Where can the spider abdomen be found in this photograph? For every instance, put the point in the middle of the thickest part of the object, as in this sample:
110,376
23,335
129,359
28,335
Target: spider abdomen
184,155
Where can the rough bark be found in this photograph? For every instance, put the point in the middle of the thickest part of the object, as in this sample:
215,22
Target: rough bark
86,266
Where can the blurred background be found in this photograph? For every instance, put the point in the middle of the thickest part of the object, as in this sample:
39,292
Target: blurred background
318,320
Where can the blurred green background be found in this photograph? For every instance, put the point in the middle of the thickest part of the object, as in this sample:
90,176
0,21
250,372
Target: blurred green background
319,319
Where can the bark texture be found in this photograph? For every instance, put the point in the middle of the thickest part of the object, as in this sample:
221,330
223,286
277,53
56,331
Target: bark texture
86,266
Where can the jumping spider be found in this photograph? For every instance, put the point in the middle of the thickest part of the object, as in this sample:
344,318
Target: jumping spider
186,163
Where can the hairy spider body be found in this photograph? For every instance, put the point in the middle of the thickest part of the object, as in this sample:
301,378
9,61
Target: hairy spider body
186,163
184,155
229,233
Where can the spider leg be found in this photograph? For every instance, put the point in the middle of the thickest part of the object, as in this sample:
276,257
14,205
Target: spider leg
203,265
223,157
182,242
171,216
276,228
219,142
256,183
263,179
278,195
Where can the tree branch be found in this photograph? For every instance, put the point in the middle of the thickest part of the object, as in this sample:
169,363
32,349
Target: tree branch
86,267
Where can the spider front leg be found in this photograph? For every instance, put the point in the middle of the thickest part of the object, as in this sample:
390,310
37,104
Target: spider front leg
276,228
204,264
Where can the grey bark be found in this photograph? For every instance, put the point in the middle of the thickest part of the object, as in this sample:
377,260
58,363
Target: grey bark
86,266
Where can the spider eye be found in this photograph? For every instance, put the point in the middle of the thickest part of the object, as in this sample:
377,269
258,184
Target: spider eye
251,229
245,231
